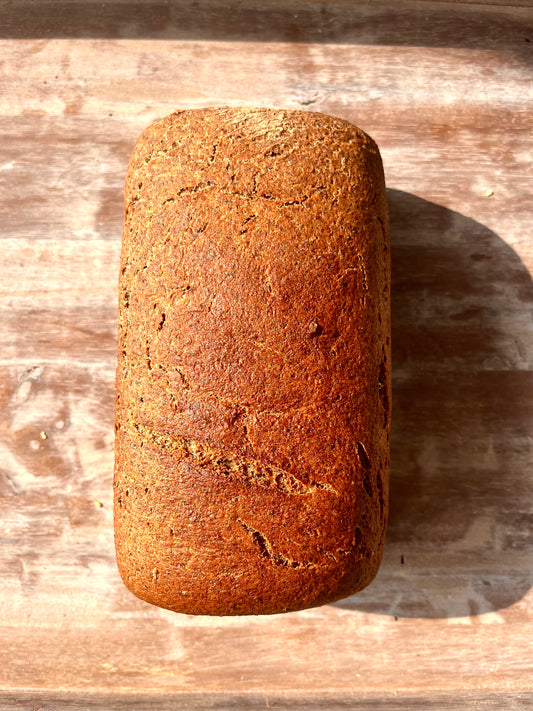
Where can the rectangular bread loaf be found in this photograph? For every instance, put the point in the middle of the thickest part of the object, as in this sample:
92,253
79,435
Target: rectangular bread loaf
253,388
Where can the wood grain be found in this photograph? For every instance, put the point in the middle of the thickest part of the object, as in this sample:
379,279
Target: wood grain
446,90
423,23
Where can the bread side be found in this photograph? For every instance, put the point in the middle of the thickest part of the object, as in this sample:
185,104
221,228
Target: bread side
253,388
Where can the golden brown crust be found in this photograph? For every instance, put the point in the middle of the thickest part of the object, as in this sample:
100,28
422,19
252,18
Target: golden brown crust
253,383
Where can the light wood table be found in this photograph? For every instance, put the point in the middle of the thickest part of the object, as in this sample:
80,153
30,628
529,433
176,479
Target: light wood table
446,90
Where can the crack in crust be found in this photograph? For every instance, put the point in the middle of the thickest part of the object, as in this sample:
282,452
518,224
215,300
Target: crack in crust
207,185
268,551
236,468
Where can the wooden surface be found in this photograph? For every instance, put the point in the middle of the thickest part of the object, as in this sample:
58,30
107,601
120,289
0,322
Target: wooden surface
446,90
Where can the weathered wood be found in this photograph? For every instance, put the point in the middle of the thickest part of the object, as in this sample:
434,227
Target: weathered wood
446,90
251,702
417,22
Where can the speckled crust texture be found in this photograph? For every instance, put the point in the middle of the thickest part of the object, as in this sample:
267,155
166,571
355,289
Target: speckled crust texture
253,387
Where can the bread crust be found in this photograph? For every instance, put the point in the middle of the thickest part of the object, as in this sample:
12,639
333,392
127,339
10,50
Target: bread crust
253,380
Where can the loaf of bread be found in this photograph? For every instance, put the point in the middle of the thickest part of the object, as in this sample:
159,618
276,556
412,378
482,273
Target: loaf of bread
253,388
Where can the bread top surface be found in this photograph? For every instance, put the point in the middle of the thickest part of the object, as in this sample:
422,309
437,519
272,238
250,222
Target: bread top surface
253,380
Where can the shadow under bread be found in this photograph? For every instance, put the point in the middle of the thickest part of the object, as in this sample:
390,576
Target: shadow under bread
460,496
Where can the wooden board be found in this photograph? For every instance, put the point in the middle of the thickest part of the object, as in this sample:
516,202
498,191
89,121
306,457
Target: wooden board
446,90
